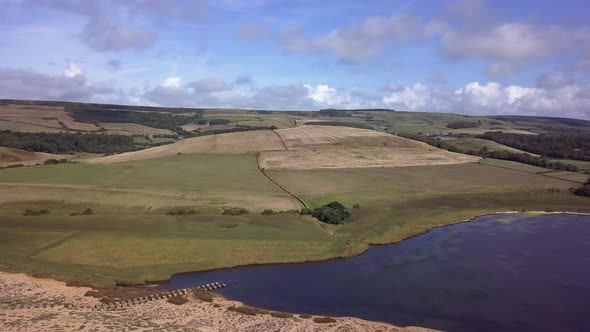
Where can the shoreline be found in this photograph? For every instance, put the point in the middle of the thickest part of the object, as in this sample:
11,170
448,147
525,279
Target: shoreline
154,315
369,245
21,288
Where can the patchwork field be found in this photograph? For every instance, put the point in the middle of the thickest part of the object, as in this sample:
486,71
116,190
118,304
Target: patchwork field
145,215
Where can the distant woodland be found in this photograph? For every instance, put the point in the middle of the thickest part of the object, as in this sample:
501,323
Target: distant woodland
562,146
67,142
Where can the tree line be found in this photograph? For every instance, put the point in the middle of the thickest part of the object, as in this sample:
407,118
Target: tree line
524,158
151,119
563,146
67,142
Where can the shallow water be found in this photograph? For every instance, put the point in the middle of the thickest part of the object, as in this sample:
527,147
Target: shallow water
496,273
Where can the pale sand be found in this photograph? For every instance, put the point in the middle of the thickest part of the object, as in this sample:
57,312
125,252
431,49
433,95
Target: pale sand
159,315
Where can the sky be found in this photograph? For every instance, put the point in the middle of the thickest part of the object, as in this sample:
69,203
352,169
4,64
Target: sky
462,56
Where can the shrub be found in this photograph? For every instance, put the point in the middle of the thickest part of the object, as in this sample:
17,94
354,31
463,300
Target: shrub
583,190
218,122
304,316
29,212
306,212
50,162
280,314
462,124
203,295
247,310
178,300
180,212
268,212
233,211
332,213
356,206
87,212
324,320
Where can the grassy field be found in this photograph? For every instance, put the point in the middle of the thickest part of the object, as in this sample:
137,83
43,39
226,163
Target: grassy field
476,144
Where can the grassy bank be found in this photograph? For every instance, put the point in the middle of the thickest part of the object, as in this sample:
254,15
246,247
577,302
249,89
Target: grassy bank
130,238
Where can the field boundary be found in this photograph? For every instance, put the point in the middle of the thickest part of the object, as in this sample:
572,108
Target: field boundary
537,173
277,184
282,140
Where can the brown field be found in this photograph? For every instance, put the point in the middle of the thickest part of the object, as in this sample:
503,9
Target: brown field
12,156
360,158
231,143
316,147
132,128
310,137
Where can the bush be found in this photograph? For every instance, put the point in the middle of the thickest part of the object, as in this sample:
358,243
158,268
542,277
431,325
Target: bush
324,320
583,191
332,213
356,206
280,314
180,212
247,310
233,211
268,212
304,316
29,212
218,122
87,212
306,212
462,124
178,300
203,295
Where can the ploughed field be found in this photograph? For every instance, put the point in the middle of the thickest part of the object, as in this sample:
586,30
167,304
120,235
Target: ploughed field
160,211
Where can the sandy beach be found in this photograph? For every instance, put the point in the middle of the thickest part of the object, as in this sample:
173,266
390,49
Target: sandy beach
16,289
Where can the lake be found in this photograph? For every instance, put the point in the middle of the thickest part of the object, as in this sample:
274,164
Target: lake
506,272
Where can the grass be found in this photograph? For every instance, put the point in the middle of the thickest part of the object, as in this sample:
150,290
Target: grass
231,172
129,244
514,165
476,144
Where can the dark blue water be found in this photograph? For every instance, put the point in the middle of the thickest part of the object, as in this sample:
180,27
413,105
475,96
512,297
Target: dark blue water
529,274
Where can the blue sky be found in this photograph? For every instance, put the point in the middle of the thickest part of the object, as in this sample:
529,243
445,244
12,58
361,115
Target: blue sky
465,56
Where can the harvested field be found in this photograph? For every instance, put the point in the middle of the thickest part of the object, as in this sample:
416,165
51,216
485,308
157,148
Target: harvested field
316,147
40,119
231,143
12,156
133,128
310,137
360,158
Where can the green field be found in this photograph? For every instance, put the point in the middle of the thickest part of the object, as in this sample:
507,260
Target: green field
476,144
130,238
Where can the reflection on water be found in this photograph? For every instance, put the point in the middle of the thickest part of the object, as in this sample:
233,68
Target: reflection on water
497,273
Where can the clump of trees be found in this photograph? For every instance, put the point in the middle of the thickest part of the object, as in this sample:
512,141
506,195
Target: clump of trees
30,212
563,145
462,124
67,142
584,190
55,161
229,130
218,122
89,114
234,211
332,213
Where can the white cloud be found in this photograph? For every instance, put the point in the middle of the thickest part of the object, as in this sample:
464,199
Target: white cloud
361,42
171,82
494,98
72,69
